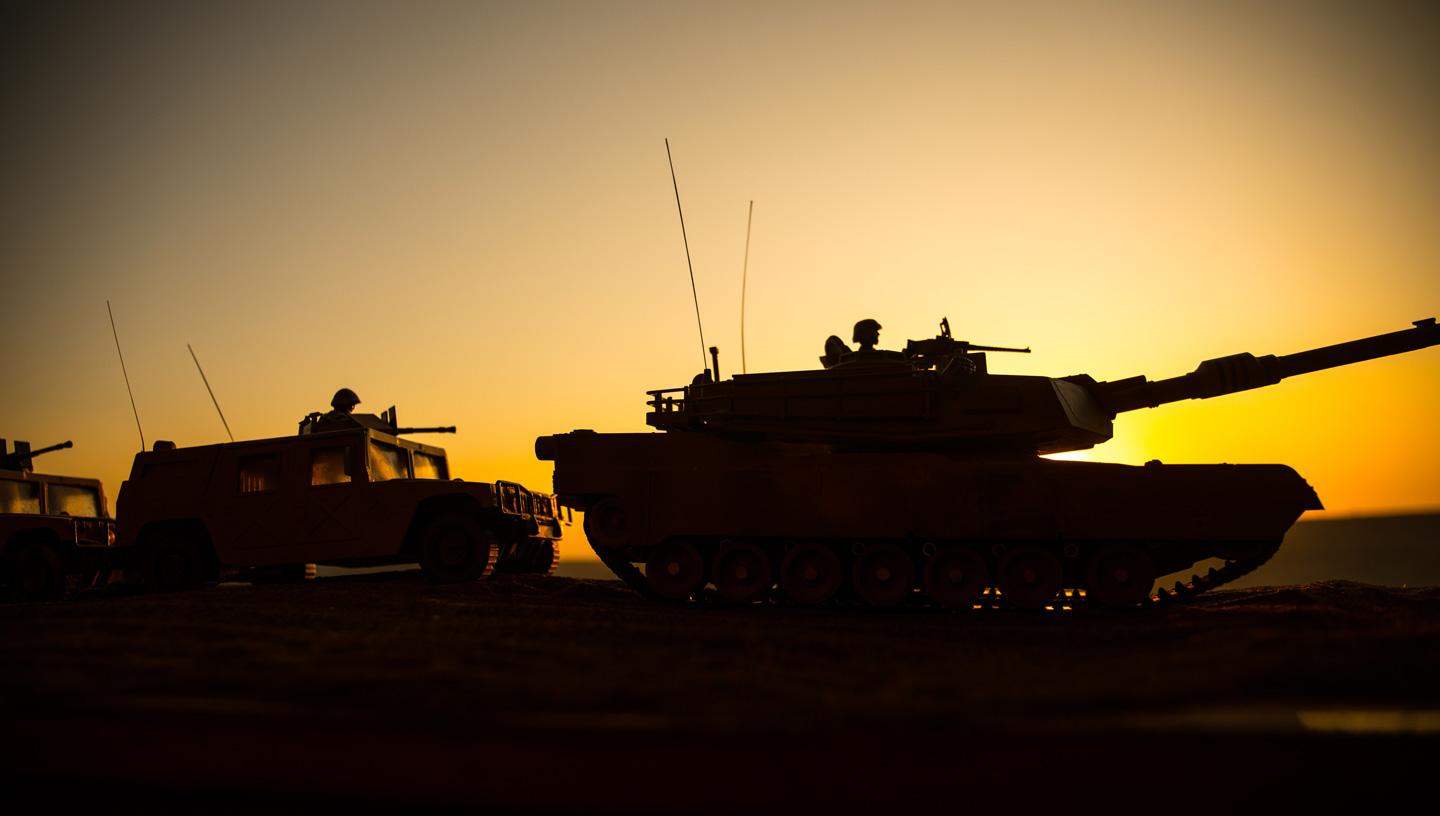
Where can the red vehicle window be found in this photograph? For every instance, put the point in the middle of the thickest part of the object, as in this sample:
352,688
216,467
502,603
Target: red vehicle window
430,467
19,497
73,500
387,462
330,465
260,473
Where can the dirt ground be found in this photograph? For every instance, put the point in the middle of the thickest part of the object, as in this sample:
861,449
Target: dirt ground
529,695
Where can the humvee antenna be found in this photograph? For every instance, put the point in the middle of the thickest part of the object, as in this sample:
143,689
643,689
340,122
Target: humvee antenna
703,362
745,273
212,393
126,374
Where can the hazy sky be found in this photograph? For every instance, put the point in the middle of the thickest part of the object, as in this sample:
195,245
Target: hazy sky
465,209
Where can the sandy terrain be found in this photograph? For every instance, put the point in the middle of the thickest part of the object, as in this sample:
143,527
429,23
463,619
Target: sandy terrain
557,694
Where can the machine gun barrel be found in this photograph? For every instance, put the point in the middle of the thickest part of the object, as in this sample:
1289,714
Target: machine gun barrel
437,429
20,458
1242,372
973,347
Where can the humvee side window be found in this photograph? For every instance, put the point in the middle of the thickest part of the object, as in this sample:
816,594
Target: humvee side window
260,473
430,467
330,465
19,497
387,462
74,500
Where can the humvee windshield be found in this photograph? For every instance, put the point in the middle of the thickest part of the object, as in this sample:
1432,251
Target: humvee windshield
74,500
387,462
19,497
430,467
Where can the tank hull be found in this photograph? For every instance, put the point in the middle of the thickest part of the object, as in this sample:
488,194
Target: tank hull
711,492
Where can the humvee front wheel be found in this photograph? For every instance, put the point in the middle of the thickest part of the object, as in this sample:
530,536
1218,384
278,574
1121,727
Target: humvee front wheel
457,547
34,572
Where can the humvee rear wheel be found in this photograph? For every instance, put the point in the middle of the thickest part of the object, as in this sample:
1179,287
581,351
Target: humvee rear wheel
541,557
172,564
1119,577
742,573
884,575
810,574
675,570
956,577
457,547
1030,578
35,572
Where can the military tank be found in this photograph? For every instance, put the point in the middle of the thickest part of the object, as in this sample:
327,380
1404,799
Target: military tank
917,476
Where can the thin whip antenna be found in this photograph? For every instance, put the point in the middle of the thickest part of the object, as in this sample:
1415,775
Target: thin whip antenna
745,273
126,374
212,393
703,362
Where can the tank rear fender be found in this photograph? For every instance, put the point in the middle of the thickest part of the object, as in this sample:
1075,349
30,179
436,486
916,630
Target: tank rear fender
191,530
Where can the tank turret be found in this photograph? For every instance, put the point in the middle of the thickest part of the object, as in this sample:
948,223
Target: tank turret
939,394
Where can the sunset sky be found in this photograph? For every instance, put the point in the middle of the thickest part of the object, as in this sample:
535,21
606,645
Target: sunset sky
465,209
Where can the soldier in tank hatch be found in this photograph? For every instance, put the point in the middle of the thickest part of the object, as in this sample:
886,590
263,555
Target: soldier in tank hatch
867,334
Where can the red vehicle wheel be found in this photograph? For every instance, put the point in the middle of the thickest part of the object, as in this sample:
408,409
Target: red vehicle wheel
1030,578
884,575
1119,577
675,570
457,547
810,574
35,572
742,573
956,577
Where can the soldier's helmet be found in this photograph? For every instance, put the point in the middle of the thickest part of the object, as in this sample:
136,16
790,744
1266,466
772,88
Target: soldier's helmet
867,331
344,400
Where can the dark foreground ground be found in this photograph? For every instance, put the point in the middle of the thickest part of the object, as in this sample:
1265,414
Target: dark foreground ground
380,692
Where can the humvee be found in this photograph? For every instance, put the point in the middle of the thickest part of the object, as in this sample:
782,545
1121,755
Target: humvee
356,495
55,531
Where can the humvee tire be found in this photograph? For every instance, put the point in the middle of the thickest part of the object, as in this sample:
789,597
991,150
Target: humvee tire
457,547
34,571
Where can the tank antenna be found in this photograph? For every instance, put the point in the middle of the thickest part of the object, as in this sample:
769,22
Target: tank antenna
694,293
744,274
126,374
212,393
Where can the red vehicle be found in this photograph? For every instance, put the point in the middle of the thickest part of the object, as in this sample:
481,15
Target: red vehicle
55,531
355,496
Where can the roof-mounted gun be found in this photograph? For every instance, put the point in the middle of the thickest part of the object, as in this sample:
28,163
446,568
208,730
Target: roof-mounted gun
944,345
19,459
385,423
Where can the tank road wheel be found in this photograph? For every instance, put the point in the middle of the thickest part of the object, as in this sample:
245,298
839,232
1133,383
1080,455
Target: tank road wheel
810,574
35,572
675,570
742,572
172,564
1119,577
1030,578
884,575
956,577
457,547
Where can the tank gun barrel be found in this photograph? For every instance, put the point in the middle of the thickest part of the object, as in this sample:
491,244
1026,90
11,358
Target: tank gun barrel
19,459
1242,372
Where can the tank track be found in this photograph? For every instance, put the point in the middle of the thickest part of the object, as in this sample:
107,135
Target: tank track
1231,570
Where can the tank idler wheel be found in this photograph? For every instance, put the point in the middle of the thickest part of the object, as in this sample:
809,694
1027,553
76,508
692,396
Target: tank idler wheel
1030,578
884,575
956,577
172,564
810,574
457,547
1119,577
675,570
742,573
35,572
